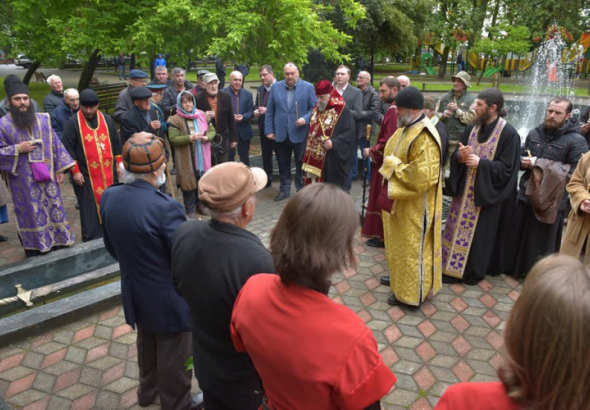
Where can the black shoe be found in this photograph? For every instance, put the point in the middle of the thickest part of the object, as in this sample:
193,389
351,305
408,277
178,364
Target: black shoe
376,243
173,171
385,281
392,301
198,402
3,238
281,196
268,183
450,279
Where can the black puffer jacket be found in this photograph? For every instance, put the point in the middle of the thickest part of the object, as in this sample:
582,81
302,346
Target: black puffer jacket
564,145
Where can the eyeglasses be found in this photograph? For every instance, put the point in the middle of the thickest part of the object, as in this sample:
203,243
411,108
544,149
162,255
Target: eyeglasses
361,78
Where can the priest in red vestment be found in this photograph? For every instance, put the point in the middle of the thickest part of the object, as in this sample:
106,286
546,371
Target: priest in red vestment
91,139
331,140
373,225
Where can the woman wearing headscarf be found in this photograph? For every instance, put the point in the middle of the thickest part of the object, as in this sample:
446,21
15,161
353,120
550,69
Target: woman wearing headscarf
190,136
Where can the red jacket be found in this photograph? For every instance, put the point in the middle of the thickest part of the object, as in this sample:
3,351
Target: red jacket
477,396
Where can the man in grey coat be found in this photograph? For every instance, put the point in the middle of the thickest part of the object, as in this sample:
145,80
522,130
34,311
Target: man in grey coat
137,78
370,114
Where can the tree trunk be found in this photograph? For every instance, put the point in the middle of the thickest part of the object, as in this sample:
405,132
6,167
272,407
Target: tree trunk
442,70
132,62
36,64
88,70
483,70
372,64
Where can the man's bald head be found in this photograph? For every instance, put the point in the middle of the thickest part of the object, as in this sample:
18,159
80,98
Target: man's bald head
404,81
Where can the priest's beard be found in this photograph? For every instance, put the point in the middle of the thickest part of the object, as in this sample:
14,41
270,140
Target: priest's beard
404,120
322,106
482,119
22,119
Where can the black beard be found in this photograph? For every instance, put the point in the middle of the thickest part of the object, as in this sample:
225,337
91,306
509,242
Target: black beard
22,119
481,120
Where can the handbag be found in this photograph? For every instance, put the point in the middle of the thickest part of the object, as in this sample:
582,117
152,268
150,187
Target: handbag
40,172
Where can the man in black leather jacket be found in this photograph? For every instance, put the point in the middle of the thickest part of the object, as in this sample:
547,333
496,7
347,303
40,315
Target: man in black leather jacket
557,139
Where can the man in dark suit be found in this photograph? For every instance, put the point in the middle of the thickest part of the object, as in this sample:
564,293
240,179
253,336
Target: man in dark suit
287,122
140,238
243,107
141,117
218,108
353,97
211,262
267,146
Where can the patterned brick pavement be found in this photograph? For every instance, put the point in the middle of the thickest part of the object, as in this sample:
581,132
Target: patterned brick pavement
91,364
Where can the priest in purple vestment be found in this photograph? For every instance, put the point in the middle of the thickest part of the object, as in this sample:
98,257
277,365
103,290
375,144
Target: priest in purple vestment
35,160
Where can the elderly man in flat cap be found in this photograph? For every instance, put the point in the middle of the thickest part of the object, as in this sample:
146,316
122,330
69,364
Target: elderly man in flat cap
92,140
140,238
211,261
137,78
219,110
35,160
411,167
141,117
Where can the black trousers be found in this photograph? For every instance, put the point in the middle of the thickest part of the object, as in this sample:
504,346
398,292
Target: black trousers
233,399
243,152
267,147
284,151
91,227
190,199
534,239
161,358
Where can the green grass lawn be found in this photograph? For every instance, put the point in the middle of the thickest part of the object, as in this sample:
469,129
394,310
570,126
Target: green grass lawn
38,91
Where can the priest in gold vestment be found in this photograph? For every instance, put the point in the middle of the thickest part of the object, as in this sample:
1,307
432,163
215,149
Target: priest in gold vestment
412,227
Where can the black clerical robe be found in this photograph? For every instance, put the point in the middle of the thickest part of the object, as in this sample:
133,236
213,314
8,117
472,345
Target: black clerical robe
494,193
339,158
87,193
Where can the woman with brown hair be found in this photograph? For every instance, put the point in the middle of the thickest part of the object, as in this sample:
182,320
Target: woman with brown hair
547,339
310,352
190,135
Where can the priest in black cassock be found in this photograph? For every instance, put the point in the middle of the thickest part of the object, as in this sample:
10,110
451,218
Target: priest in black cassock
91,139
331,139
484,171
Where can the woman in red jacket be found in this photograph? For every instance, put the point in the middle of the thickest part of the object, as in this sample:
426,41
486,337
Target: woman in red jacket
310,352
547,339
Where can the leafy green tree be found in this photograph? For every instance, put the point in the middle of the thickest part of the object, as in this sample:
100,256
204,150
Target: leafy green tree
502,40
391,27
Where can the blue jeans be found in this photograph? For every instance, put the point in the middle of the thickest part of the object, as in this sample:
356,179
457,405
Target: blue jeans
122,72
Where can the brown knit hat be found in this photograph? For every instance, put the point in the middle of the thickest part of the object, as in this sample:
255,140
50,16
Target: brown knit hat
143,153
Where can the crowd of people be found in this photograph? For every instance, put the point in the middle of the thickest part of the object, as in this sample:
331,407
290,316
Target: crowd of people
211,289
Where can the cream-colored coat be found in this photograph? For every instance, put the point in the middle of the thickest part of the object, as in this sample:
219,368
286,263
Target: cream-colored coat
578,225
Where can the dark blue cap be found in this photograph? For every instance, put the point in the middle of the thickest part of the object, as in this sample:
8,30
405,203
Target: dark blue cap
135,73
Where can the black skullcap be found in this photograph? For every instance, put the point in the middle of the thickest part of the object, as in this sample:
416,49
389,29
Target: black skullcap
14,85
140,93
410,97
89,98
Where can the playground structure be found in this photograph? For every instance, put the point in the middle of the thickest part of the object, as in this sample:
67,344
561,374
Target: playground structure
575,57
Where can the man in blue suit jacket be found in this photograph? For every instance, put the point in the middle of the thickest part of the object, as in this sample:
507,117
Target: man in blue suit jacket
287,122
140,237
243,106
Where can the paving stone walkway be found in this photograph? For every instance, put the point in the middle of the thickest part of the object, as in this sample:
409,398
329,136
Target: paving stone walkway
91,364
